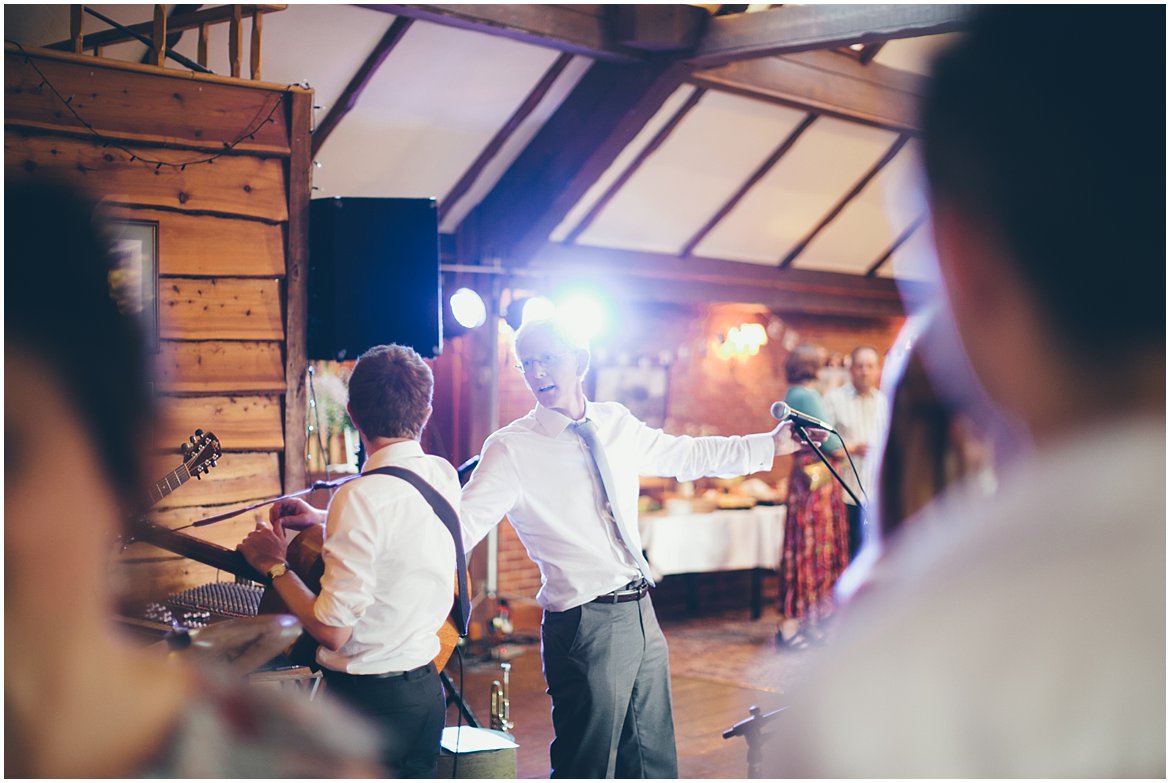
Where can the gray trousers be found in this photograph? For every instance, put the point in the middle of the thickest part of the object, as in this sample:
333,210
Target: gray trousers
607,672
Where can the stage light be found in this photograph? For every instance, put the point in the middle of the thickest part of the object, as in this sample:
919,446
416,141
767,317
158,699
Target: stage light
468,308
584,316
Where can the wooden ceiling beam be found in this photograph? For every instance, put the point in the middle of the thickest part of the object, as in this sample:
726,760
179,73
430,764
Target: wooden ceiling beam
604,112
642,156
825,83
845,200
869,51
349,96
576,29
666,278
801,28
745,188
488,153
879,262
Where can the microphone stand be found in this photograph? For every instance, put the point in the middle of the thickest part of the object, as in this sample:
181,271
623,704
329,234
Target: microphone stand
315,486
804,436
752,730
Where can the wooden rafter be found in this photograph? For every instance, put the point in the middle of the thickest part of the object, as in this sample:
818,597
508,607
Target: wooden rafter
349,96
869,51
768,164
602,114
535,96
825,83
661,277
642,156
800,28
879,262
845,200
576,29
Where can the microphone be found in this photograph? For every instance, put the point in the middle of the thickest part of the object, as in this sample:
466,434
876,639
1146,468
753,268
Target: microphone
782,411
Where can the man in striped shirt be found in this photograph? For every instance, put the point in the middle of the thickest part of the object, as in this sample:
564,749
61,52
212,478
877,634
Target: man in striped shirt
860,411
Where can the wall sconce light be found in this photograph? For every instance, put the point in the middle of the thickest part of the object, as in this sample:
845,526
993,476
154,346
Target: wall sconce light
742,341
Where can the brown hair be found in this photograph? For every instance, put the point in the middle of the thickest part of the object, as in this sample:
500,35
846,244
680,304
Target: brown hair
390,392
803,363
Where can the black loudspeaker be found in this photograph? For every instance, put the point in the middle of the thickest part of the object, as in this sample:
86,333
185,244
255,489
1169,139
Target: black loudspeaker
373,276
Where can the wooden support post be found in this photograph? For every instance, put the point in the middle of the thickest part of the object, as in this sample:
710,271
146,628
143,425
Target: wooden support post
202,55
236,40
159,51
257,28
296,288
76,14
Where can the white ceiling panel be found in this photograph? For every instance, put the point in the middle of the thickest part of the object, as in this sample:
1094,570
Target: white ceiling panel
427,112
701,164
868,226
797,193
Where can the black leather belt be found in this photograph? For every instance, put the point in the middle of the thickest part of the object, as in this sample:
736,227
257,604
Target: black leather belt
634,591
382,675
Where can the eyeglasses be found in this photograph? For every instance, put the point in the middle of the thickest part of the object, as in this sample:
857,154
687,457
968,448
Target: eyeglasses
546,361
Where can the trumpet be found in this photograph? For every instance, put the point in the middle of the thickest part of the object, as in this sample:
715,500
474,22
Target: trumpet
499,702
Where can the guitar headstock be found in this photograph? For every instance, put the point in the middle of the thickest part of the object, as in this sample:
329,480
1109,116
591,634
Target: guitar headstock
201,453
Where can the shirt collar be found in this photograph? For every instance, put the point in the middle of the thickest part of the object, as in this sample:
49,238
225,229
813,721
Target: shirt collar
554,422
392,453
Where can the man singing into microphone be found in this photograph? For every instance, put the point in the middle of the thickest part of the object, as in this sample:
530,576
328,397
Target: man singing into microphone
566,475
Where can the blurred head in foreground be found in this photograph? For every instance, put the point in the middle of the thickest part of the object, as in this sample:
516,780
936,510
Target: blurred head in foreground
1022,633
80,700
1048,214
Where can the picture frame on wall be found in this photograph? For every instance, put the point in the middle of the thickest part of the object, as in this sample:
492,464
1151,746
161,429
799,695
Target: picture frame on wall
641,388
134,276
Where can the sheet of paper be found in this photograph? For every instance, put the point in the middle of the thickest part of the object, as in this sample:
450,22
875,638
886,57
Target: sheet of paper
465,739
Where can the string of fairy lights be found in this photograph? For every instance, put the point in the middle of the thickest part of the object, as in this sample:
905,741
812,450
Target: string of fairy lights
248,134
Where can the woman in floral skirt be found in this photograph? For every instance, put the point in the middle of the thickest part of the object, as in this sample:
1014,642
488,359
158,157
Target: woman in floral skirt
816,530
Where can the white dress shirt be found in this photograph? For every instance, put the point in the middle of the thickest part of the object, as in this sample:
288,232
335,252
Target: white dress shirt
389,565
537,471
860,418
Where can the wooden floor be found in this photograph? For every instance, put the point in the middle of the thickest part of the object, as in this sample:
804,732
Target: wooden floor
703,710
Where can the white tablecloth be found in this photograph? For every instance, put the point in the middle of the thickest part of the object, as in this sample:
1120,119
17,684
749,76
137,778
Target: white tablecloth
715,541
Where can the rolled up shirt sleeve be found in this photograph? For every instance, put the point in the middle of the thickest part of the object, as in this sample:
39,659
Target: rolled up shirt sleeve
347,584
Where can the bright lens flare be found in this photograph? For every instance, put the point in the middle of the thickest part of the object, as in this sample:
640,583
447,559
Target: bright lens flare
583,316
538,308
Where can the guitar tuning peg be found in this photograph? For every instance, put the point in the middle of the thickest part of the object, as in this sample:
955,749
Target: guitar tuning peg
198,433
184,447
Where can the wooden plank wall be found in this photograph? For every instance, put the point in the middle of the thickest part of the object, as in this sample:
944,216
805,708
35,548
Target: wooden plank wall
229,282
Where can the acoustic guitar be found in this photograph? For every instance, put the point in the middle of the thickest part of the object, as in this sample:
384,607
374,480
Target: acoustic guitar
200,455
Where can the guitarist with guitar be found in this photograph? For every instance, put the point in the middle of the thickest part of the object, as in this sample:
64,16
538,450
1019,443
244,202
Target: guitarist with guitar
389,561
